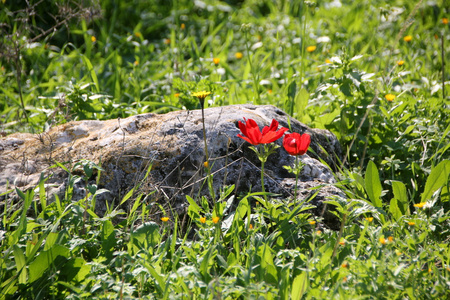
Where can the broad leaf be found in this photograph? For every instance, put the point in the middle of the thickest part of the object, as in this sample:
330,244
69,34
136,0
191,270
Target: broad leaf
438,177
373,184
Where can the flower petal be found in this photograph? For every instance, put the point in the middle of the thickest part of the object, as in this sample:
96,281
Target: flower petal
289,144
251,131
303,144
247,139
273,127
296,144
272,136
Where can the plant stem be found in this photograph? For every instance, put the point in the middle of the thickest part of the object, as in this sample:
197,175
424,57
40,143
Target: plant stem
18,79
208,167
255,78
443,66
296,179
262,180
302,54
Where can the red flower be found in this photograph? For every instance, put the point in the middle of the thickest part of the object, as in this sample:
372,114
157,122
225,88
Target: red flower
253,135
296,144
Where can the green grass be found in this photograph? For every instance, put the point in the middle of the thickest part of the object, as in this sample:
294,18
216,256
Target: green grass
149,57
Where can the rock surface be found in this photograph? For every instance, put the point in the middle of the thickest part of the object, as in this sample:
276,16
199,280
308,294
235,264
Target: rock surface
172,144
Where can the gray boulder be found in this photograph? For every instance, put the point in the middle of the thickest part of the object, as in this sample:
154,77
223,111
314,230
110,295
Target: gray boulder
170,146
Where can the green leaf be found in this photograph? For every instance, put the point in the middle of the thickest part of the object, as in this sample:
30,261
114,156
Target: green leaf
20,264
292,90
58,164
127,196
159,280
194,209
438,177
299,286
42,194
401,199
21,229
394,209
50,240
76,270
301,101
268,269
45,259
91,72
373,184
145,237
108,239
206,261
399,190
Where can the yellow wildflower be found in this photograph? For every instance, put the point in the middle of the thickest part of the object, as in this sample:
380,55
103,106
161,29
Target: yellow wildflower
201,95
382,240
176,95
389,97
239,55
138,34
136,63
216,60
183,26
311,48
328,61
408,38
369,219
215,220
203,220
400,62
342,243
206,164
93,39
312,222
250,226
318,232
420,205
167,41
165,219
411,223
390,239
345,264
445,21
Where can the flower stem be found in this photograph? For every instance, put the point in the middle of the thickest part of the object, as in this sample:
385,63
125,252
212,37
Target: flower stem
296,179
262,180
208,167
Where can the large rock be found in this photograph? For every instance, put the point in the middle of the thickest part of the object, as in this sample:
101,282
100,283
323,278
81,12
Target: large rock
172,144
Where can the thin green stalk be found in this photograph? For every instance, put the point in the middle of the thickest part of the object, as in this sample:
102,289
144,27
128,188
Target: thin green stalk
262,181
302,55
254,76
296,180
443,66
19,84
